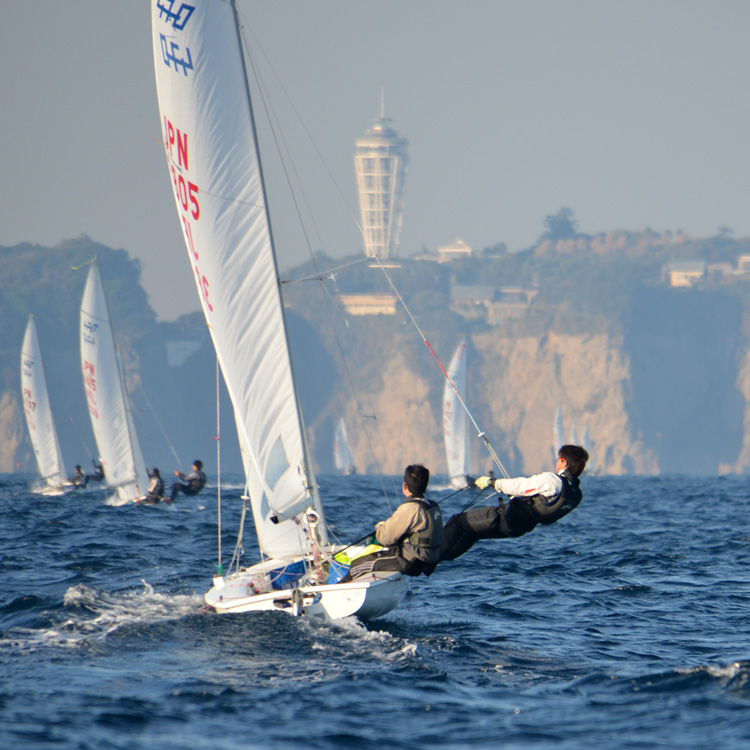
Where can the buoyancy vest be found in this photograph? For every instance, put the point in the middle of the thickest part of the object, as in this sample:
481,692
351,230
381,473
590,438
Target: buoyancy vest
196,485
424,545
525,512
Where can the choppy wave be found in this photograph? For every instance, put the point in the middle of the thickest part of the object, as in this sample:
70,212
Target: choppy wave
624,625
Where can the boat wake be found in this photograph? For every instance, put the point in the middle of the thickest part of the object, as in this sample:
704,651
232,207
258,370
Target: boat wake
91,615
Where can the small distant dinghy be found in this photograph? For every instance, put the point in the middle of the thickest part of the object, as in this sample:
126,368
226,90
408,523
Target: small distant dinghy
214,165
342,454
455,422
39,417
103,381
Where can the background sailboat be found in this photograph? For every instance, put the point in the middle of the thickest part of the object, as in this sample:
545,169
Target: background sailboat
455,422
39,414
342,454
212,153
111,420
557,431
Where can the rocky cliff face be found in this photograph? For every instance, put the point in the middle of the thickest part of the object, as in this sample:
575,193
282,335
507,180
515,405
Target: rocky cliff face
513,392
665,390
663,386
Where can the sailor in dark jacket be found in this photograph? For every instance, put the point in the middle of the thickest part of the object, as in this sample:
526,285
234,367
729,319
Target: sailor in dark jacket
154,491
543,498
195,481
411,537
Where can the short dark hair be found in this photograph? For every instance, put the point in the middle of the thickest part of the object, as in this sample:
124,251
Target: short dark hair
198,464
416,479
575,456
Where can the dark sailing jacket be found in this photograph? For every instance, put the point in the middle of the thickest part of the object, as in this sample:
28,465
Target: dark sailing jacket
522,514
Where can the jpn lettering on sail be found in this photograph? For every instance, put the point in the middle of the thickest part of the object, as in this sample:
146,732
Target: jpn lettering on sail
210,144
111,421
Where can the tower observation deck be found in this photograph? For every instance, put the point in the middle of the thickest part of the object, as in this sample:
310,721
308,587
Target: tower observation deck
380,162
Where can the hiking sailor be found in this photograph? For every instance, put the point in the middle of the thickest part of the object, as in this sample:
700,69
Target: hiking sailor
543,498
98,474
78,480
196,481
154,491
411,537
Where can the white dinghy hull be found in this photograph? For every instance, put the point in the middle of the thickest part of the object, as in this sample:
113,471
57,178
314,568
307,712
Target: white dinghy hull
366,598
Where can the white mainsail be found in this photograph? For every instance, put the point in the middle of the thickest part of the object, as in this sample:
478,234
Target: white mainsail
38,412
212,154
120,453
209,137
455,423
342,454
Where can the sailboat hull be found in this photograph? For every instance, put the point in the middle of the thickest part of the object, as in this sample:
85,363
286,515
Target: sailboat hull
366,598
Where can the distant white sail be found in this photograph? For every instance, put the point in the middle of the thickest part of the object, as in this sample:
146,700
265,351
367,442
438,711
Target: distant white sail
573,434
38,412
455,422
120,453
342,454
558,431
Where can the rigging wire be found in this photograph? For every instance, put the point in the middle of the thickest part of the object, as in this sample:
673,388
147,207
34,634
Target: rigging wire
279,140
78,432
219,569
480,433
161,427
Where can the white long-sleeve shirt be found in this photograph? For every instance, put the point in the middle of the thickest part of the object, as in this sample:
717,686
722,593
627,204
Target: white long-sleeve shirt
547,483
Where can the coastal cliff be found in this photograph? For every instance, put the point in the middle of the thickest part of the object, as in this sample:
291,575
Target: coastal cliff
656,378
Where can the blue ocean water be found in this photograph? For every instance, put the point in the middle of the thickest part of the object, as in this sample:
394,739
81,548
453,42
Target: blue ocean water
625,625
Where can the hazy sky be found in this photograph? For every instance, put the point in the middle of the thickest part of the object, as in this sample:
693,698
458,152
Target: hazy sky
633,113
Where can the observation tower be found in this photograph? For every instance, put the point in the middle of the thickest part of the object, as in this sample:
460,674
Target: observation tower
380,162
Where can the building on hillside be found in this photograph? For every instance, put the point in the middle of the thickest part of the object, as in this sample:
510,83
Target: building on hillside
472,300
459,249
686,273
510,302
369,304
380,163
721,271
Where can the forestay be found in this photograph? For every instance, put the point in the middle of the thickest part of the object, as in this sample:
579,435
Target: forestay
111,420
38,412
210,143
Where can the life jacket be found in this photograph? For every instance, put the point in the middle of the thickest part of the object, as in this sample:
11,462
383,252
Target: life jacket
196,485
424,545
523,513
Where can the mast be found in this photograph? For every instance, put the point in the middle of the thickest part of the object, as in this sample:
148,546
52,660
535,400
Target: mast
311,484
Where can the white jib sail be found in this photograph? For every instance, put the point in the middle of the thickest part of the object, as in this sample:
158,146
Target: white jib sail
210,143
120,453
455,423
342,454
38,412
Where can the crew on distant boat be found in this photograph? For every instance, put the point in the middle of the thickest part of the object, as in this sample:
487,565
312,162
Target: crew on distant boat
411,537
97,476
543,498
78,479
195,482
154,491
